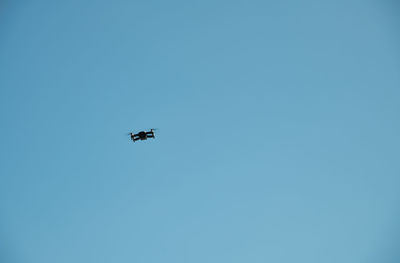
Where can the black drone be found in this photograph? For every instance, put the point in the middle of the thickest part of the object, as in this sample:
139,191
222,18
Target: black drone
142,135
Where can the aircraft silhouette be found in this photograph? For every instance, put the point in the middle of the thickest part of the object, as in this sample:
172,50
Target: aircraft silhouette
142,135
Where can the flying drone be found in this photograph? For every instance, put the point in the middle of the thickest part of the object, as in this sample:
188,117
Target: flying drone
142,135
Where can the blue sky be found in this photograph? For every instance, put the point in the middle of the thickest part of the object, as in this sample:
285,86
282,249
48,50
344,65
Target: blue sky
278,134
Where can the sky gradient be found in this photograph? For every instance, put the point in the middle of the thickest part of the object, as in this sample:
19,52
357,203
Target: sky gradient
278,134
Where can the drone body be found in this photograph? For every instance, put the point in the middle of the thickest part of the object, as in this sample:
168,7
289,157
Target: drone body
142,135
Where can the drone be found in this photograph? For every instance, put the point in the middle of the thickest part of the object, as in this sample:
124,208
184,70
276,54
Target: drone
142,135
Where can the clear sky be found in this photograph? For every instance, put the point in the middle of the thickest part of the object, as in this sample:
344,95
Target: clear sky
278,141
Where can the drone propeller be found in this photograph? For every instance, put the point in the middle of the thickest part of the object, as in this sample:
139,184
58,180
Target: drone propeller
131,133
